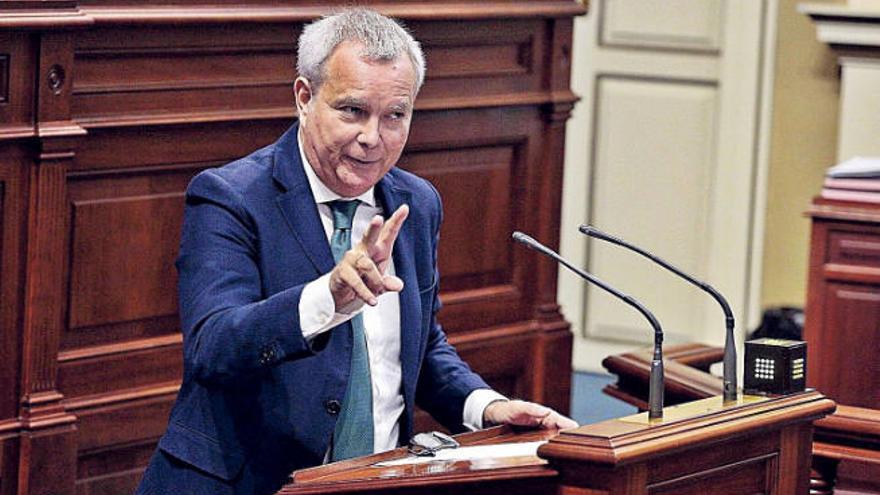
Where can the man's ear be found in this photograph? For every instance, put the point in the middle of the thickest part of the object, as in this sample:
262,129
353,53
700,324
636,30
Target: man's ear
302,94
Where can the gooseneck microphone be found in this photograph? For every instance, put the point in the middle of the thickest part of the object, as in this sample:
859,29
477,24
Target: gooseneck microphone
655,383
730,384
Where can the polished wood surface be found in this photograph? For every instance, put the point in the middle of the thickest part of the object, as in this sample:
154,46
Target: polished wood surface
850,434
109,107
522,474
842,325
843,308
759,445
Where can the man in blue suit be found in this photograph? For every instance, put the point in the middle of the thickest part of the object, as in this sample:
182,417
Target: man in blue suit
308,286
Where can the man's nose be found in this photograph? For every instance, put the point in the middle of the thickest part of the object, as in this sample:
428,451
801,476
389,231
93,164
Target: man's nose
369,134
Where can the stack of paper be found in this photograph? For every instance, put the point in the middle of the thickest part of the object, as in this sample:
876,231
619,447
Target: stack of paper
857,179
857,167
473,453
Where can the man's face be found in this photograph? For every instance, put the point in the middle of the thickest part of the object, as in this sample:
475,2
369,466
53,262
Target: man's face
354,128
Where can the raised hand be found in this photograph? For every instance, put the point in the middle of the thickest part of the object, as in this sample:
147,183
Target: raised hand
360,276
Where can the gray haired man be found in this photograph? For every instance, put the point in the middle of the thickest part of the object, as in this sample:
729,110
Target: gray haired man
308,286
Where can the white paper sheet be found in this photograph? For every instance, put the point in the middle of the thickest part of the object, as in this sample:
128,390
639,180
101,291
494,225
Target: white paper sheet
856,167
476,452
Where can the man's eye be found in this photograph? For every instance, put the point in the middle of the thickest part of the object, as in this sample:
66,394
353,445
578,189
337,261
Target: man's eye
349,110
397,115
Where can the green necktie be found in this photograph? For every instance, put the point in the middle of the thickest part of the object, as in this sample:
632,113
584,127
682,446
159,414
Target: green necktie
353,435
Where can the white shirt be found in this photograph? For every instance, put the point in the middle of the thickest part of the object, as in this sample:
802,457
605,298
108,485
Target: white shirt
381,325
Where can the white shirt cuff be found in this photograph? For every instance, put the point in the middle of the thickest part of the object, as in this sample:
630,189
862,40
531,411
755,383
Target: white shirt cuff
475,405
317,311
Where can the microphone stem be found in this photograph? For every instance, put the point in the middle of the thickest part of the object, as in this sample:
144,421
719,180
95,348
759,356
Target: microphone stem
655,382
729,380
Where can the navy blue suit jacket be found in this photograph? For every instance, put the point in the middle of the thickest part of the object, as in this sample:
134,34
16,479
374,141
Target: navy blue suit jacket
257,400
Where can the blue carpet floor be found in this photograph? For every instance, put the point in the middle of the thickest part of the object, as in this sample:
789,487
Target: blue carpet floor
589,404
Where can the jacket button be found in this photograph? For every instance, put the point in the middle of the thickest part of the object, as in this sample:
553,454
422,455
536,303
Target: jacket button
332,406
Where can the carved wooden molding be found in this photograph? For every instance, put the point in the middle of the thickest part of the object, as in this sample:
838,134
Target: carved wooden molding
842,25
36,18
404,10
4,78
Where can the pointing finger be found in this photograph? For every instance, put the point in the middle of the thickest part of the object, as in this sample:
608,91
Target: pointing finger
372,234
382,249
392,227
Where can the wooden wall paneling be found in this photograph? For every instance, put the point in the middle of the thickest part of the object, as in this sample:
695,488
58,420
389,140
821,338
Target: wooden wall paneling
843,310
141,99
10,337
154,148
135,74
551,372
112,454
17,68
38,5
124,234
13,184
484,287
160,103
47,459
491,62
556,337
9,451
48,442
12,207
856,308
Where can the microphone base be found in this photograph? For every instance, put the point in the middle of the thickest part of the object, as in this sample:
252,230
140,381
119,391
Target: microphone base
696,409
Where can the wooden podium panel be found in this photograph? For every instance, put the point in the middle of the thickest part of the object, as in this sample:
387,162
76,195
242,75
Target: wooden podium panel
849,436
755,446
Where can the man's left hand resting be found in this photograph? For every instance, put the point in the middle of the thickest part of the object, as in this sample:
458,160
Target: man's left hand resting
521,413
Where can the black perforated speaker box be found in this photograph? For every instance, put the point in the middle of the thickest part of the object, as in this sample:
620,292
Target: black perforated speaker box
775,367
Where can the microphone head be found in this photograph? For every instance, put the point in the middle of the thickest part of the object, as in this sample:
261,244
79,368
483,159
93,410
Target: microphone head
523,238
532,243
587,229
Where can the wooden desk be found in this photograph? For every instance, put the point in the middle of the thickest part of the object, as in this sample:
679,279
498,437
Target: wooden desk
850,434
511,475
756,446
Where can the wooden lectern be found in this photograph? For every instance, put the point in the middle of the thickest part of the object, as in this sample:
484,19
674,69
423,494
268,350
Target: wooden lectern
755,446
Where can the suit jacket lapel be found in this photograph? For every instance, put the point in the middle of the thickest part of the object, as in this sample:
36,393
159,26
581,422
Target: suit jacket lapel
392,198
297,203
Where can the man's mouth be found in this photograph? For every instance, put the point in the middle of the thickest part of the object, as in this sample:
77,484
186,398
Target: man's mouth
361,163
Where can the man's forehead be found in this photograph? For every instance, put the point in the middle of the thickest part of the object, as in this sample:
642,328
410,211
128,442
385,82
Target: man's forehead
349,72
355,97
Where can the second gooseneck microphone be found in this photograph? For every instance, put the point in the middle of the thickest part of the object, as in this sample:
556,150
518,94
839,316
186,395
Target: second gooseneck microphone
730,385
655,382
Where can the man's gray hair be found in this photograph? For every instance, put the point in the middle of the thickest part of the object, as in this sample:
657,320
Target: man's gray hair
383,39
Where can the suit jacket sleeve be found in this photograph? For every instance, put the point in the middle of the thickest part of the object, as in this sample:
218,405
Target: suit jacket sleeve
445,380
231,330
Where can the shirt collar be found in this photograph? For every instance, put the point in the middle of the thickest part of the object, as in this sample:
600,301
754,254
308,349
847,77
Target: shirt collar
320,191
